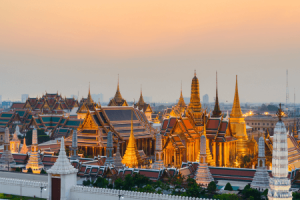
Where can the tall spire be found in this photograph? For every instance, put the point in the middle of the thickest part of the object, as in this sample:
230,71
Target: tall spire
181,103
236,107
195,105
141,101
118,159
89,98
217,112
118,96
131,157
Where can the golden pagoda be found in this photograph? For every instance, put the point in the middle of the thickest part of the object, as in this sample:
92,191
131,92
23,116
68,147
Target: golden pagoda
238,125
195,105
118,100
131,158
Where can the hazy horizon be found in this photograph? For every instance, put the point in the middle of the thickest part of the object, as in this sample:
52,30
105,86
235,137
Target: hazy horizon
63,45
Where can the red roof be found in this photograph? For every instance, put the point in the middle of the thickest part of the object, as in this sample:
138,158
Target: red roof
149,173
223,127
18,105
213,124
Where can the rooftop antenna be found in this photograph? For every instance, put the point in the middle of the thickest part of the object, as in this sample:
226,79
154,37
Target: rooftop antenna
287,89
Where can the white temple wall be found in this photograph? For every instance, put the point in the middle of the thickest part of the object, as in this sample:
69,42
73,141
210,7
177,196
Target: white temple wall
22,187
91,193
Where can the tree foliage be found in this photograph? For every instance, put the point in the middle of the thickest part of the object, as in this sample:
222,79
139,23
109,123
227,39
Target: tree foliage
212,186
228,187
42,137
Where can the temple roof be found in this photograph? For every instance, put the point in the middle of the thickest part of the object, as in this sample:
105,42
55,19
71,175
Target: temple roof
118,100
62,164
236,107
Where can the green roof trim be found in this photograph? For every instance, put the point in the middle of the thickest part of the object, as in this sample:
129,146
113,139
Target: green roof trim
6,115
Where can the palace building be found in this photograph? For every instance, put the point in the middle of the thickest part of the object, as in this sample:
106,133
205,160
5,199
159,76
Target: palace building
226,139
92,132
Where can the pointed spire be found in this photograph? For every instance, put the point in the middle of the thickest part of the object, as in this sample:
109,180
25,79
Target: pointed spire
118,159
62,164
181,104
236,107
141,101
195,73
89,98
131,157
217,112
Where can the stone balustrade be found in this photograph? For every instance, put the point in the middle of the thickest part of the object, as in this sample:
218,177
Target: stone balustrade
128,194
25,183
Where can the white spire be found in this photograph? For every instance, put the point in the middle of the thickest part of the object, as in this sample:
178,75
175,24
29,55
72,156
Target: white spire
62,164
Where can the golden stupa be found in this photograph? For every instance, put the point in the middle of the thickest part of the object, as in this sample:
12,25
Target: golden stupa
131,158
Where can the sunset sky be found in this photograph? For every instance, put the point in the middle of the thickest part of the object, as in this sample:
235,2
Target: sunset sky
63,45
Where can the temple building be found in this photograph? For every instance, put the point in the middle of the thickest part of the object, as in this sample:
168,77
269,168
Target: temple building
93,131
118,100
144,107
34,162
50,103
279,184
181,135
261,177
203,175
15,142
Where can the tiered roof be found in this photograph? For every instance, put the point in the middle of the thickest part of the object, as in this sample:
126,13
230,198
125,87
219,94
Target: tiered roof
142,105
50,103
118,100
93,131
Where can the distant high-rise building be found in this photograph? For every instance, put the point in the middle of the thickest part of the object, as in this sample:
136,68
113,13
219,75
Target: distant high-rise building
24,97
147,99
97,97
0,100
205,99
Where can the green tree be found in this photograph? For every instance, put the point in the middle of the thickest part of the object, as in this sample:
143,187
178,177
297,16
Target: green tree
43,171
42,137
249,193
228,187
101,183
119,184
86,182
212,186
296,196
141,180
227,197
128,182
193,189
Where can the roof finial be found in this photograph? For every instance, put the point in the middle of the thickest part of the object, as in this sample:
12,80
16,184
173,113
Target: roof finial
141,89
118,83
279,113
236,108
217,112
194,72
89,87
181,86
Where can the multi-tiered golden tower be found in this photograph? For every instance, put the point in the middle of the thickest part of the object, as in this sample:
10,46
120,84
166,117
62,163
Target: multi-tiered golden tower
195,105
238,125
131,158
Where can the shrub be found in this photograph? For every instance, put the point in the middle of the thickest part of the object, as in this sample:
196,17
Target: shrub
43,171
228,187
226,197
212,186
86,182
